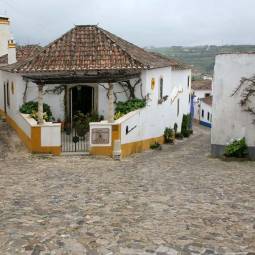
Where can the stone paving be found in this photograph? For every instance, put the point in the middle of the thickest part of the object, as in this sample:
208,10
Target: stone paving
169,202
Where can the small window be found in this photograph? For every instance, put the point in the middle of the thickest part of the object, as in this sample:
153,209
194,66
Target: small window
208,116
161,84
188,81
203,113
178,106
12,88
8,93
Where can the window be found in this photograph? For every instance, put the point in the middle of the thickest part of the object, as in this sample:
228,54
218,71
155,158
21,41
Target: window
208,116
8,93
203,113
178,106
12,88
207,94
188,81
161,83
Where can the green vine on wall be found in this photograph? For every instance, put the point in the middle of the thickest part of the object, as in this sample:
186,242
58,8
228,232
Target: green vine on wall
247,88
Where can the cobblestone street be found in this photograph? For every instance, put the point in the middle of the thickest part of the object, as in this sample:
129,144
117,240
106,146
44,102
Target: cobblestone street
174,201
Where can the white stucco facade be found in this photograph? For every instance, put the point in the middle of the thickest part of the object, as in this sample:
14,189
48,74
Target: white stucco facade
199,94
229,119
205,113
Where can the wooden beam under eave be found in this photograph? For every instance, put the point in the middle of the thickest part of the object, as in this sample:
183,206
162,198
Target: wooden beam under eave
81,79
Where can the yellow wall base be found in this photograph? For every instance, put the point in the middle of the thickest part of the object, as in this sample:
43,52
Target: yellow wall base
140,146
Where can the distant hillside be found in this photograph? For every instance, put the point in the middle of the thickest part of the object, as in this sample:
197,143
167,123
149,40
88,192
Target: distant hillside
201,57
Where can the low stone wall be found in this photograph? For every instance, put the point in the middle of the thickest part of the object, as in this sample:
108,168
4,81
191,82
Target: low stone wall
121,138
44,138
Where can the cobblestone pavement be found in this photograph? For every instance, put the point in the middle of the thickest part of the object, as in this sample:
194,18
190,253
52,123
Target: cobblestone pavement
174,201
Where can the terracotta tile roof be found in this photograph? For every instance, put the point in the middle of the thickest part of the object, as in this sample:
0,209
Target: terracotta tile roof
201,85
89,47
207,100
22,53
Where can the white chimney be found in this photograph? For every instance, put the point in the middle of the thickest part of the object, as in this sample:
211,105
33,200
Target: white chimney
11,52
5,34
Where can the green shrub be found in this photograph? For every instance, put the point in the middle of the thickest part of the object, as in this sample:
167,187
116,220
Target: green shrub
31,107
118,115
169,135
179,136
81,122
129,106
186,124
175,127
155,146
237,149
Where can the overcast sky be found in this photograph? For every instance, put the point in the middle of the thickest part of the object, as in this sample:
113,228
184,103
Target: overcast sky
143,22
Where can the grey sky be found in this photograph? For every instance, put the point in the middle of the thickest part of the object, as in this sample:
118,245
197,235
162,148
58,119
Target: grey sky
143,22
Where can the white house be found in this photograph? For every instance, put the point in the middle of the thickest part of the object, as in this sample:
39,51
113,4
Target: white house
230,120
200,89
84,70
205,111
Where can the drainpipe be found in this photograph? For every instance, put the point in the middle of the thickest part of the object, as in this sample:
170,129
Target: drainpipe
111,104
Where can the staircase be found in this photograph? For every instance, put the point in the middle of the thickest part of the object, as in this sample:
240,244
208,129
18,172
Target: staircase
10,144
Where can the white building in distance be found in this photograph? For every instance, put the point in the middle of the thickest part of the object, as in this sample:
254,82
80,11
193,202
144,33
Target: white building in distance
202,91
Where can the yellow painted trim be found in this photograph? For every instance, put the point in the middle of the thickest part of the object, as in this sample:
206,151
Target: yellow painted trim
140,146
104,151
11,45
34,143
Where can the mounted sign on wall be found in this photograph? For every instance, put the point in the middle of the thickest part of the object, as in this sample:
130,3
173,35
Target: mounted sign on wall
101,135
153,83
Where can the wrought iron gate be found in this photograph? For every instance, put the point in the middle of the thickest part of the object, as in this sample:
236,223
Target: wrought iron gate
72,141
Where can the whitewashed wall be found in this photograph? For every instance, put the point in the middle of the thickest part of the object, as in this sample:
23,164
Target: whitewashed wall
229,121
150,122
201,94
56,102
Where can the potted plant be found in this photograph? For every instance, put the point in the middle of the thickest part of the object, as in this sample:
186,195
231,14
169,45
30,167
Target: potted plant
81,123
169,135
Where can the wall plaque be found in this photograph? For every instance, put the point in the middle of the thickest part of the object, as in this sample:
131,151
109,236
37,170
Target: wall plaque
100,136
153,83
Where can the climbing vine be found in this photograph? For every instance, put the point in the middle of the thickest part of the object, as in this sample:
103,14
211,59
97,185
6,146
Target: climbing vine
247,88
128,88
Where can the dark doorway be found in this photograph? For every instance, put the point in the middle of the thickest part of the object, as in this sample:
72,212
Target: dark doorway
82,99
